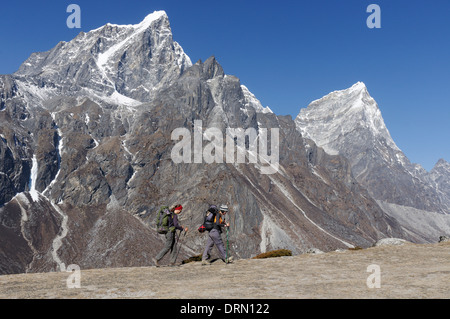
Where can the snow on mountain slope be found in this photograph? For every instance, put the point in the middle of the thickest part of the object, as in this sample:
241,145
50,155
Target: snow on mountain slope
114,62
340,113
349,123
103,58
252,101
34,194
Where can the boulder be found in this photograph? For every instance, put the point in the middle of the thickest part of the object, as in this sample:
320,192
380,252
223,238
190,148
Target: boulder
443,239
390,242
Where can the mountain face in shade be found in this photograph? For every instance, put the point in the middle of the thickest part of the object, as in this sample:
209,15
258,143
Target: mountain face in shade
85,160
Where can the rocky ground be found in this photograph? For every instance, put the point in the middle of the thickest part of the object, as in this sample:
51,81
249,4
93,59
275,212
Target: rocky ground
406,271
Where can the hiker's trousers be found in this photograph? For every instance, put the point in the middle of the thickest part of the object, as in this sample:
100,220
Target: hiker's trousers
169,246
214,238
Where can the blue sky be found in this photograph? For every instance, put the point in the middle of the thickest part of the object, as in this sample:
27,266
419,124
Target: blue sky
287,52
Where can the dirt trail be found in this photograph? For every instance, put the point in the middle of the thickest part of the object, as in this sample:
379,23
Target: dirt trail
407,271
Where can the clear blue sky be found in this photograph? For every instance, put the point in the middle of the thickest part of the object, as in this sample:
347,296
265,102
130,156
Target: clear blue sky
287,52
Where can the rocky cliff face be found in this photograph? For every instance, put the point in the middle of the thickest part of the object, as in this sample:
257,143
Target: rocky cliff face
86,159
15,141
440,174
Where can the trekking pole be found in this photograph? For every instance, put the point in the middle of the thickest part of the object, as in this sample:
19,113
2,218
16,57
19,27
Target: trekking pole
227,256
179,245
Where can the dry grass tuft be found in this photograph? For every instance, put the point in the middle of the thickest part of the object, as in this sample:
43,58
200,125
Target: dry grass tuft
274,253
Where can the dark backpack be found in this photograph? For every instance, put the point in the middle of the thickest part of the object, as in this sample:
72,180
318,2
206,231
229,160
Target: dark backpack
208,221
162,220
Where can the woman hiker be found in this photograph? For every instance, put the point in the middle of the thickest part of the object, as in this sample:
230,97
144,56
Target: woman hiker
215,237
173,225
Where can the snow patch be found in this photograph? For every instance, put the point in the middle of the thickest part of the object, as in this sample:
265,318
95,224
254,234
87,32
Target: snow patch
34,171
117,98
319,176
252,101
126,149
103,58
59,154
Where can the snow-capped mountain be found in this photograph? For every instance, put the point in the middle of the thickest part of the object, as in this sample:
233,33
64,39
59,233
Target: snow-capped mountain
85,159
349,123
339,114
107,63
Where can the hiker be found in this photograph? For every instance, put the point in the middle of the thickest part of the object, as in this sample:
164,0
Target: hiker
217,217
172,225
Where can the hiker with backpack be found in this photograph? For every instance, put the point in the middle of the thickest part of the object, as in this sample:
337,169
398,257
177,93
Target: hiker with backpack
167,224
213,223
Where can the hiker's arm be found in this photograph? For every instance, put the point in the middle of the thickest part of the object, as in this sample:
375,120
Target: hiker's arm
224,223
176,224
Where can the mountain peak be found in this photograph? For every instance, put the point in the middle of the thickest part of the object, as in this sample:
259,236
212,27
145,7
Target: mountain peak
341,113
153,17
359,87
125,61
144,24
357,91
442,164
349,123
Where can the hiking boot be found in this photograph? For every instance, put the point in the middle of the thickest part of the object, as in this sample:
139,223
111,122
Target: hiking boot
155,262
206,262
229,260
